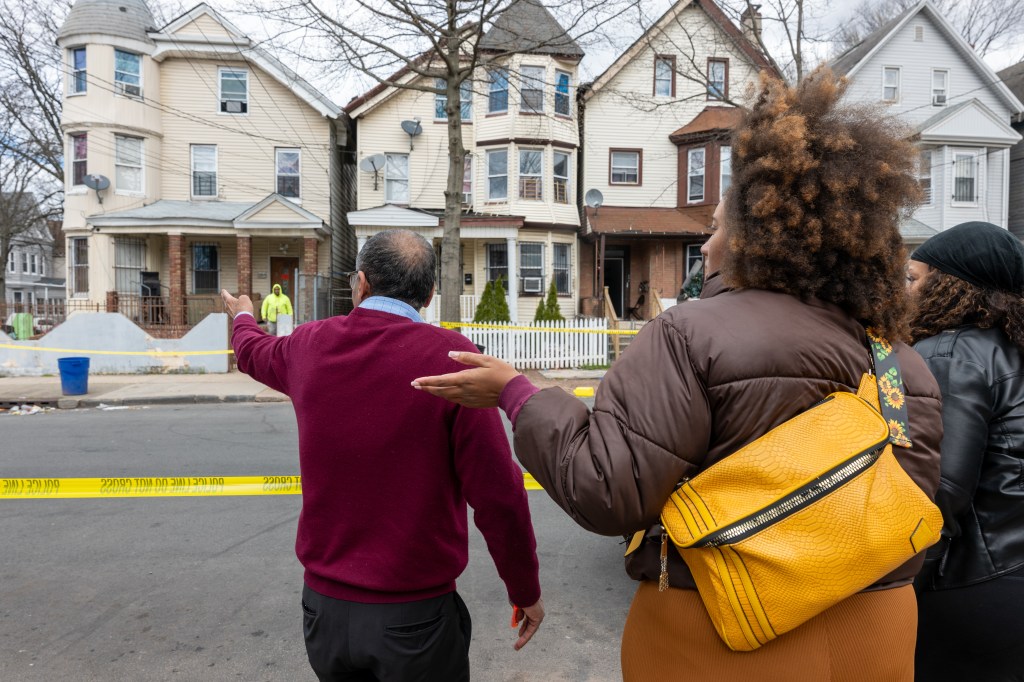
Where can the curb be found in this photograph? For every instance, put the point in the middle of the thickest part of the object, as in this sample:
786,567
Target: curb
201,399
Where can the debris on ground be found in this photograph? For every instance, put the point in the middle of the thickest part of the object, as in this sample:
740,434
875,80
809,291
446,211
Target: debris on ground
23,410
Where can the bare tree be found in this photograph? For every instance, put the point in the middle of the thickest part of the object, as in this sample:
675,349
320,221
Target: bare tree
27,199
986,25
416,45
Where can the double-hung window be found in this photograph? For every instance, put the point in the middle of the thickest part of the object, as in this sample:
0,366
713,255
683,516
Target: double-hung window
128,163
204,170
34,269
497,174
79,266
396,179
924,175
664,76
725,164
11,262
718,72
234,91
531,174
441,100
531,268
965,177
129,262
467,180
890,84
497,262
531,89
79,84
205,269
940,87
287,166
24,262
625,167
695,175
79,158
560,268
497,91
127,73
560,171
563,86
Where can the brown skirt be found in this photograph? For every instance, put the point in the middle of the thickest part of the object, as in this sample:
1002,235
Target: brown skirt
868,637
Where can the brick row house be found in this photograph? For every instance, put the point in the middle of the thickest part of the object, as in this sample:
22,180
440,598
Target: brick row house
195,161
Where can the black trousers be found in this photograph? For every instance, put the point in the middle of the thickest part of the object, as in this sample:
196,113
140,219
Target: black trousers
410,642
973,633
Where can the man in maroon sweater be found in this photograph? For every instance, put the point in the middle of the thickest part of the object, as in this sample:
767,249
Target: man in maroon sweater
387,472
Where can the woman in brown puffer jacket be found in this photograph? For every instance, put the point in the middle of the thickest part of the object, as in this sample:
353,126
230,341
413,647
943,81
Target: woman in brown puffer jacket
807,244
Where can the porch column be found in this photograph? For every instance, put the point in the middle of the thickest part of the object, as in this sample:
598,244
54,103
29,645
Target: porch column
244,265
309,271
513,279
176,255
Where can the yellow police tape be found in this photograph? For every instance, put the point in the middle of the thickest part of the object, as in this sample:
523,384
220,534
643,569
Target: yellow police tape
568,330
178,486
151,353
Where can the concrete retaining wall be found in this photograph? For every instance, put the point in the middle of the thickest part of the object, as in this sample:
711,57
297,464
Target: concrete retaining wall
115,332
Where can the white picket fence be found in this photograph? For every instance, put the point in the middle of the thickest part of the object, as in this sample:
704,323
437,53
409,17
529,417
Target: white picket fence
546,345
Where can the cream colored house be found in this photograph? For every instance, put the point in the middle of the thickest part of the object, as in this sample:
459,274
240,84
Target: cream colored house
661,175
520,217
195,161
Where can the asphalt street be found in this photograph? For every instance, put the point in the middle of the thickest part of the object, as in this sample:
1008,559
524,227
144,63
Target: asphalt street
207,588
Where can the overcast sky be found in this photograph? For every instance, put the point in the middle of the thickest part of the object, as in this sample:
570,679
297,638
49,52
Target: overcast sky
341,90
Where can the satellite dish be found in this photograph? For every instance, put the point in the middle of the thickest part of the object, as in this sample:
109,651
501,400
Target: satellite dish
98,183
373,164
594,199
412,129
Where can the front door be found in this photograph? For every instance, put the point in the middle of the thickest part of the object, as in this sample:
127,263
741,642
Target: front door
284,271
616,277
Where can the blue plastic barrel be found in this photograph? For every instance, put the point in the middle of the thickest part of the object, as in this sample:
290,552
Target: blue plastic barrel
74,375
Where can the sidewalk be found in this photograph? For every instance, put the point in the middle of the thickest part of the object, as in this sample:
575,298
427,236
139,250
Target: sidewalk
168,389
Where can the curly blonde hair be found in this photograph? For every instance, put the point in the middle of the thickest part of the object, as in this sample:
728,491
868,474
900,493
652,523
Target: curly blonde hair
818,190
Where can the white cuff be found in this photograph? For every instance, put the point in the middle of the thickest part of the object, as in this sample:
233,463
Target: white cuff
244,312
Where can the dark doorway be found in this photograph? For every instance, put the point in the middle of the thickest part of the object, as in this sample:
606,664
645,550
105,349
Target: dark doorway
616,275
284,271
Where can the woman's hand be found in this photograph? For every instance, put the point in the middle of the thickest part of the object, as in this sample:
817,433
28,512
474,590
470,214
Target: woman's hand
480,387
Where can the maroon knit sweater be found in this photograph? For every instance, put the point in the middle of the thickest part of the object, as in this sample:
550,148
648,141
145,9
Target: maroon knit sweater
387,470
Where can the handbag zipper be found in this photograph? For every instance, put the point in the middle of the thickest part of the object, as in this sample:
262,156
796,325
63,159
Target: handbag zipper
796,500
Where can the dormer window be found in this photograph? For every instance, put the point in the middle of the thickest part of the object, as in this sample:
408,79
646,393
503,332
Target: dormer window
127,73
78,81
234,91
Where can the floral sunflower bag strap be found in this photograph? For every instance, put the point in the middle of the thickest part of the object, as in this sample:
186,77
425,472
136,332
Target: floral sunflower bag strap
892,401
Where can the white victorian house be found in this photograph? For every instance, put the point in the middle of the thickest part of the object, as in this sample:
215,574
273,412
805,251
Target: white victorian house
959,110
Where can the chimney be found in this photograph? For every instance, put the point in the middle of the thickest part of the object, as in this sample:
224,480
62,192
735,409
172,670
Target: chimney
750,22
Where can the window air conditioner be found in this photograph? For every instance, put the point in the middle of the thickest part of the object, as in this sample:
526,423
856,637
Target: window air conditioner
128,89
533,285
233,106
467,198
938,100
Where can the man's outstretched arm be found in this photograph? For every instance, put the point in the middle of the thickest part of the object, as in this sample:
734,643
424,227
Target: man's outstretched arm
258,354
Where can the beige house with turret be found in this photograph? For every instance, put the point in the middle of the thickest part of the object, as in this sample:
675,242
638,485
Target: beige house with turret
195,162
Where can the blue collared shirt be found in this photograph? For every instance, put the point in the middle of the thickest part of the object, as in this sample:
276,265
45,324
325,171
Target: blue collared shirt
393,306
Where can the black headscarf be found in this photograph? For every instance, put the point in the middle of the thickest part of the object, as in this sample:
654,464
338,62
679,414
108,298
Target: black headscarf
979,253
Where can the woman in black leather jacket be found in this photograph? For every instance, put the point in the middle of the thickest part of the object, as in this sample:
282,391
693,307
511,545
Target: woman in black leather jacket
968,325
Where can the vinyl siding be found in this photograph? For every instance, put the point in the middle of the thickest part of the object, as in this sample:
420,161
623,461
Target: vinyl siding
1016,207
204,27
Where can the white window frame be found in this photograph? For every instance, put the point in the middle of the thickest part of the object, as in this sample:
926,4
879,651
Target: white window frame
492,90
222,102
393,180
76,160
690,175
532,79
278,174
78,76
535,270
492,154
34,264
121,163
192,175
899,80
565,96
624,170
12,261
78,268
975,156
555,269
123,88
24,262
925,172
943,91
465,100
524,176
724,159
467,180
566,179
216,249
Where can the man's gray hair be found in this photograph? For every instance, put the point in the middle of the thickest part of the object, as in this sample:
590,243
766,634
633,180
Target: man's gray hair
399,264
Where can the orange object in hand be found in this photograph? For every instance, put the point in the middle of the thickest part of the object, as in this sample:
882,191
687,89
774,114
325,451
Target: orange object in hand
517,616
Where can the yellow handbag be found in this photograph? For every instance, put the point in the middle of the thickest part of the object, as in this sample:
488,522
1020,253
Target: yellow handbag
810,513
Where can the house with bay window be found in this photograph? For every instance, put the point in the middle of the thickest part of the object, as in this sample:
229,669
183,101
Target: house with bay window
519,122
958,110
195,162
659,177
